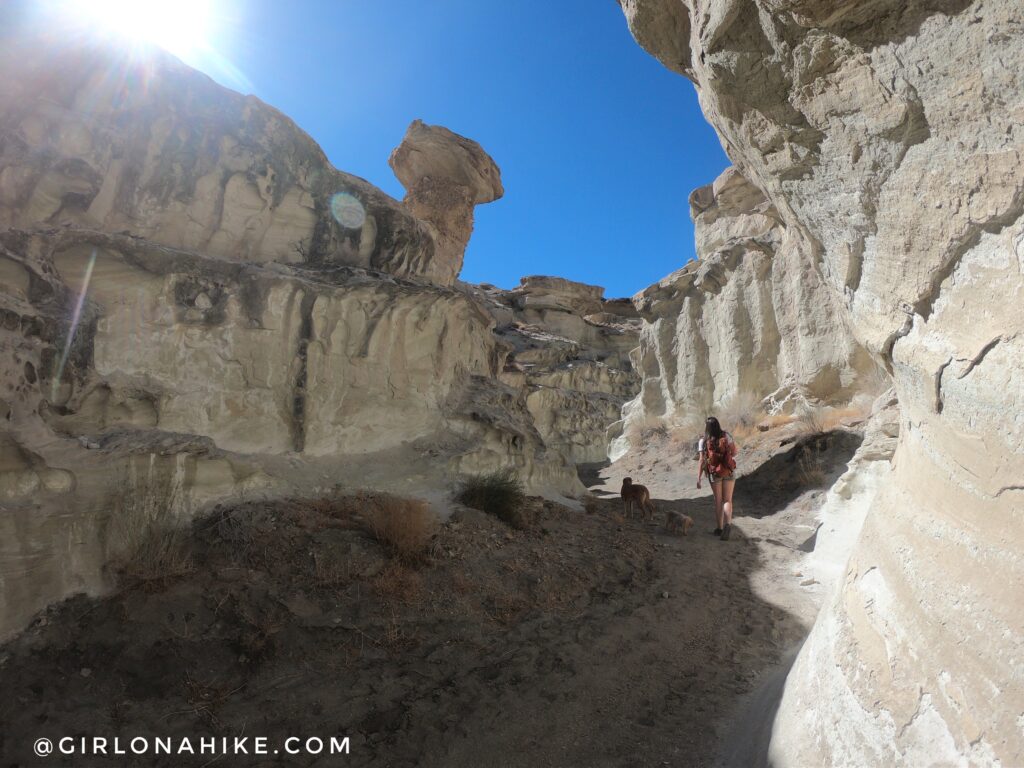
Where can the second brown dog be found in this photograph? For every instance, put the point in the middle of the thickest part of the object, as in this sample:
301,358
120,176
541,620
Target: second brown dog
677,521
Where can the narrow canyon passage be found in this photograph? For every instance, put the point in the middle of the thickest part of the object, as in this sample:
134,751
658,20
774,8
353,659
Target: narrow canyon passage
586,640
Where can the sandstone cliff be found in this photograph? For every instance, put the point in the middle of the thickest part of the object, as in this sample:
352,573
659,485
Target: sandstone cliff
752,317
194,305
886,138
569,350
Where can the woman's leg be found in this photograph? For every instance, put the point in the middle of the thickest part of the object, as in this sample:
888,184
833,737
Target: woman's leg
716,489
727,488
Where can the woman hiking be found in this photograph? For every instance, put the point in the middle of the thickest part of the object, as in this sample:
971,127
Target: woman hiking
718,461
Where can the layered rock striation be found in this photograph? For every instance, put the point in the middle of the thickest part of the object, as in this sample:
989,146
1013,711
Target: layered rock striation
887,136
568,349
194,305
750,318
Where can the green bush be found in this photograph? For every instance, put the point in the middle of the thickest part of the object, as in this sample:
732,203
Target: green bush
498,493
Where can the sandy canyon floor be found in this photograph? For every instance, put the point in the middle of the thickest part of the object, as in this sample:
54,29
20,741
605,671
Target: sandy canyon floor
585,640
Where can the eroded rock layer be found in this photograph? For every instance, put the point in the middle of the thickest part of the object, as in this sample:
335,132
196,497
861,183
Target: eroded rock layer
752,317
888,137
568,348
195,305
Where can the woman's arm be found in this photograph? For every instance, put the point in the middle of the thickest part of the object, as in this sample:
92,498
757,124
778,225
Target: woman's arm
700,467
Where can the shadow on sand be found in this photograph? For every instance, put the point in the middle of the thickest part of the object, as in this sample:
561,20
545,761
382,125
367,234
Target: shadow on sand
812,462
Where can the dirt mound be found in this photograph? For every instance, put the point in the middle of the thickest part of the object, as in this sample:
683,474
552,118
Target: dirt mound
583,640
288,618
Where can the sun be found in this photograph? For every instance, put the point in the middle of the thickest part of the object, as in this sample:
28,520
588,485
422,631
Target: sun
179,26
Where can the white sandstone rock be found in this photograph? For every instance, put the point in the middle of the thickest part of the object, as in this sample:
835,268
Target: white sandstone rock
889,138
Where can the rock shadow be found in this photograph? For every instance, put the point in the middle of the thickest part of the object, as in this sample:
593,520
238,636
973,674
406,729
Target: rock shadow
581,643
813,462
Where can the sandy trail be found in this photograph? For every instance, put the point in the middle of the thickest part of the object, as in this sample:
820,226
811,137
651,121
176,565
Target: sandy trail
587,641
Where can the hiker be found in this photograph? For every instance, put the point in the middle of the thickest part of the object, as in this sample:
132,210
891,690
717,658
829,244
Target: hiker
717,460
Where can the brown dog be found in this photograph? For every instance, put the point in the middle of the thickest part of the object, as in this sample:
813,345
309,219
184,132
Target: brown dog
677,521
636,495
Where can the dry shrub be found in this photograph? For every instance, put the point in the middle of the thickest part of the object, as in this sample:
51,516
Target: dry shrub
405,527
740,414
646,429
500,494
325,512
810,471
394,637
590,504
814,420
657,432
331,574
810,418
151,544
685,432
839,417
397,583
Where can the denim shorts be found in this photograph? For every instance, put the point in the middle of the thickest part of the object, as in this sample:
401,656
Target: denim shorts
712,479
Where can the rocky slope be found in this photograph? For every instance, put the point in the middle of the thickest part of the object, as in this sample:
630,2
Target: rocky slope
194,304
887,137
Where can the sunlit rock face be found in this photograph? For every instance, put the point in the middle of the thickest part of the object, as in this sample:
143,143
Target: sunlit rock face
95,138
888,137
445,176
194,305
568,350
751,317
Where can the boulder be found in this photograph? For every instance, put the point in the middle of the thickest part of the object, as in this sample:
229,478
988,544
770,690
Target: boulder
445,176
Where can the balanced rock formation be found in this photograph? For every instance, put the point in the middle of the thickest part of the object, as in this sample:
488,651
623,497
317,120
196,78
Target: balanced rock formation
445,176
195,305
888,138
569,351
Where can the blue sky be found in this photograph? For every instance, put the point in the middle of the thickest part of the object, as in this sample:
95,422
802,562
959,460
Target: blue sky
598,144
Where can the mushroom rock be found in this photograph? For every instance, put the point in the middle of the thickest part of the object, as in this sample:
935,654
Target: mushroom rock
445,176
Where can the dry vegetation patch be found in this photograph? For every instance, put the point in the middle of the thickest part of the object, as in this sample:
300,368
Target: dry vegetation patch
741,414
500,494
150,543
404,527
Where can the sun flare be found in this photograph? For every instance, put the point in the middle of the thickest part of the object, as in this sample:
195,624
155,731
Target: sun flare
181,27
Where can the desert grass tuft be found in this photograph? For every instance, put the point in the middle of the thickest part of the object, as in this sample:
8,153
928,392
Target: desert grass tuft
498,493
810,418
810,472
398,584
404,527
150,543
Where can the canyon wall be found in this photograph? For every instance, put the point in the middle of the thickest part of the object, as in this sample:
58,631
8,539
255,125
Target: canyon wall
569,352
887,137
195,305
752,317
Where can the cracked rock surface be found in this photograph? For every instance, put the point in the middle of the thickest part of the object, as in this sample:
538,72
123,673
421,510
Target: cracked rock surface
888,137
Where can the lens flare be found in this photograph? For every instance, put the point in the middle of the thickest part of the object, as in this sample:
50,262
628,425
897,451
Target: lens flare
347,210
181,27
75,319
